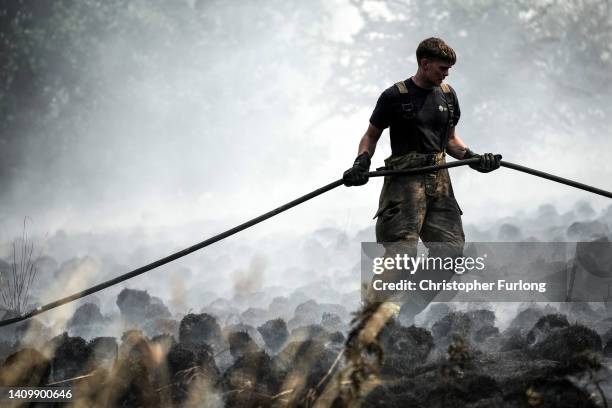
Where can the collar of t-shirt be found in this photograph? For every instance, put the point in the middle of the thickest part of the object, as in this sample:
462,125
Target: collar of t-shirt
418,88
418,94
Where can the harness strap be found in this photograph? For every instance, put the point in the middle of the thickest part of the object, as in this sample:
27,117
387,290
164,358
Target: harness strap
446,92
409,113
403,89
408,110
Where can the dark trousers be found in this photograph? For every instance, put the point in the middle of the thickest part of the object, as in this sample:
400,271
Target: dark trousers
419,206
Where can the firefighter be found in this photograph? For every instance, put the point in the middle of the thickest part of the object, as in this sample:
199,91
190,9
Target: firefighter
421,113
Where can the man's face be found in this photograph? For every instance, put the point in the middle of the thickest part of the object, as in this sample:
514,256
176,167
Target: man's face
435,70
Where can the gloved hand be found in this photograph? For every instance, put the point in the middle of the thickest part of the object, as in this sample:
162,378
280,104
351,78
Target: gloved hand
358,174
488,161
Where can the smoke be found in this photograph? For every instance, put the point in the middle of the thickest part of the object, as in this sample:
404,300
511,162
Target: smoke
245,273
251,280
189,121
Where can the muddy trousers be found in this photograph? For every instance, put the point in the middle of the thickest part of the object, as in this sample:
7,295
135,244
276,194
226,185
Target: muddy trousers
413,207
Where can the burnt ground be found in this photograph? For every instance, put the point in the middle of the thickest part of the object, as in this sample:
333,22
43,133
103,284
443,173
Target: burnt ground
546,357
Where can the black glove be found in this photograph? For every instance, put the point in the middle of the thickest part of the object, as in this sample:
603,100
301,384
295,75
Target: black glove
358,174
488,161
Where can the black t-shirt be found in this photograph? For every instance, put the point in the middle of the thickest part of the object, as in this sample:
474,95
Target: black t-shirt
428,130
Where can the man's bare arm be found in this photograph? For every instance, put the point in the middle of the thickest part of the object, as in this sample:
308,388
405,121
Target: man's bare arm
456,147
369,140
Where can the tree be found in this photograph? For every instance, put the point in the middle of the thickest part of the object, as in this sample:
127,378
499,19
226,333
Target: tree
16,280
522,66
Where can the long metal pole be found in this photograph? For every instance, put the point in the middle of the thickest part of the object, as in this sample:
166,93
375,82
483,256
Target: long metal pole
276,211
558,179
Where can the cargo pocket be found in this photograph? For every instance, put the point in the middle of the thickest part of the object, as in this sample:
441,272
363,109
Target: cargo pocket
391,209
391,225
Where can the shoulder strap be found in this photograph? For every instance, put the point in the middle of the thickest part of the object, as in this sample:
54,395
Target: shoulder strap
447,93
402,87
407,105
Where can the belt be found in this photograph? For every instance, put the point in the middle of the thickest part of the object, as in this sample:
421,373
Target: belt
428,159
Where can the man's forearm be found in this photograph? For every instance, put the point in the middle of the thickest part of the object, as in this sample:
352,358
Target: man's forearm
456,147
458,152
367,144
368,141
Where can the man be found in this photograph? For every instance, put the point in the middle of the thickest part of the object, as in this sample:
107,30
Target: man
422,113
